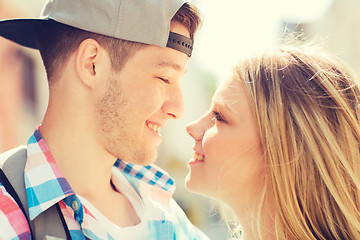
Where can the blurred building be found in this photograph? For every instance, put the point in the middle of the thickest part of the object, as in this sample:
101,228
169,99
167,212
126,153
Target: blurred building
340,27
20,70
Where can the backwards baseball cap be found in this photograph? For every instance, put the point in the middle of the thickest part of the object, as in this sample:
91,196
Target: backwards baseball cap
144,21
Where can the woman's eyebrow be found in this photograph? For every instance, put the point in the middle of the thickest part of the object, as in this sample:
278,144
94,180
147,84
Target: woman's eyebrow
222,105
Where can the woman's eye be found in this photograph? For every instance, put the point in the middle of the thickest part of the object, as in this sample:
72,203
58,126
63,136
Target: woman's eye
164,80
218,116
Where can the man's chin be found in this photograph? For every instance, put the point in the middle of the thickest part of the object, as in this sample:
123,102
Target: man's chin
142,158
148,161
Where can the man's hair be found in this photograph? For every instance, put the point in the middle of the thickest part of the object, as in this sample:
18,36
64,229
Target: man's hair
307,108
57,41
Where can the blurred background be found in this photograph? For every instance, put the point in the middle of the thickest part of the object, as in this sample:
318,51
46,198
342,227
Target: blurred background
232,30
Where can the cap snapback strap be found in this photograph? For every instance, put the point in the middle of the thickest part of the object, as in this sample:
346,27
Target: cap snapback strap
180,43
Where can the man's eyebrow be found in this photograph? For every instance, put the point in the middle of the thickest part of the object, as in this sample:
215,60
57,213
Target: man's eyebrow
170,64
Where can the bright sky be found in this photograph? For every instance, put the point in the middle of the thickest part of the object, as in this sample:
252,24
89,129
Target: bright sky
234,29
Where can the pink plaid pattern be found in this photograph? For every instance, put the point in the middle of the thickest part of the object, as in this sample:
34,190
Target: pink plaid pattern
13,224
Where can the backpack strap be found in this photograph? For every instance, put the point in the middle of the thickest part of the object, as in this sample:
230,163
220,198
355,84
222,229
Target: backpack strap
13,165
50,222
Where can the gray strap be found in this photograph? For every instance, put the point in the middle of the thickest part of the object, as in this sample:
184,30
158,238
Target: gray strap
13,167
47,223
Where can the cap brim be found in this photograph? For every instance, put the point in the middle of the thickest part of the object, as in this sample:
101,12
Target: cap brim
22,31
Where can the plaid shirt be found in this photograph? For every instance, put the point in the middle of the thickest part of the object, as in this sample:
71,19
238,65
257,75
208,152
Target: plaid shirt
46,186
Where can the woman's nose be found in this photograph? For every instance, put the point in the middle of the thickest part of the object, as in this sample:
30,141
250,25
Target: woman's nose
194,130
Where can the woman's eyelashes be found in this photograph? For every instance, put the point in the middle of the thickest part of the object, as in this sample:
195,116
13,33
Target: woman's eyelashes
218,116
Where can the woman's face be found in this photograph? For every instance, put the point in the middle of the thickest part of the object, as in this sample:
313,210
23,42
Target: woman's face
228,159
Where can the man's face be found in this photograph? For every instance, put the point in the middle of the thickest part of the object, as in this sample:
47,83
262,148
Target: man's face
140,99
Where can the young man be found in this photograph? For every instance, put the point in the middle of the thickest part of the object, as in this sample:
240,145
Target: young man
113,69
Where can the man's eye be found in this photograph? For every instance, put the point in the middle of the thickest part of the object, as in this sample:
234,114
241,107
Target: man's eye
164,80
218,116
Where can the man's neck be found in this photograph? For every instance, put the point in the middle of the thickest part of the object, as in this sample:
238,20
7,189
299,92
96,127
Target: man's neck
78,155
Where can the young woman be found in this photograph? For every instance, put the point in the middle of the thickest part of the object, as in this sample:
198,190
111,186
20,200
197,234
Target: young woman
281,146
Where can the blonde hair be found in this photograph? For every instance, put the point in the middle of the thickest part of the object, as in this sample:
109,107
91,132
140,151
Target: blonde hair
307,107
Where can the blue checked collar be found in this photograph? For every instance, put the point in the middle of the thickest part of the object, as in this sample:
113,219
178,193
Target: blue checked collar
152,175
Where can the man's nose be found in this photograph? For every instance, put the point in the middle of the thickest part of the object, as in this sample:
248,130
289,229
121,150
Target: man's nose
174,106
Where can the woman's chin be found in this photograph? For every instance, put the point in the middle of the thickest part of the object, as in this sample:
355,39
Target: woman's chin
192,185
198,186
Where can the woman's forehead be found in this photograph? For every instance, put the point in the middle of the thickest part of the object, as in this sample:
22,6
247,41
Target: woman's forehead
230,94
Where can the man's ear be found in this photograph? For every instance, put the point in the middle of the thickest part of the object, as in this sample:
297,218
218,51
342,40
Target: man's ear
86,60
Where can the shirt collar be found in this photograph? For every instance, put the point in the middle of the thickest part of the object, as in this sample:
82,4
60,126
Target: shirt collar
45,184
152,175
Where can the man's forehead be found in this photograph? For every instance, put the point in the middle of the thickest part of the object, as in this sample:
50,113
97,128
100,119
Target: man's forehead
160,57
166,58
